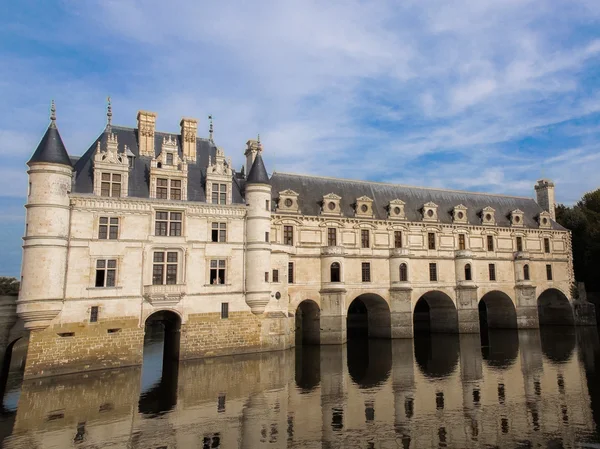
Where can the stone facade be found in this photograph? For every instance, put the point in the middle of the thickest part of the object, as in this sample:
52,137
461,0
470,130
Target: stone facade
147,225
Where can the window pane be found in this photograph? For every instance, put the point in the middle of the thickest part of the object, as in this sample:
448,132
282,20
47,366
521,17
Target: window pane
171,257
176,216
223,188
157,274
102,232
100,278
222,236
112,263
104,220
110,278
223,198
116,178
175,229
221,278
224,314
105,189
291,272
215,235
161,193
175,194
114,221
161,182
105,176
116,190
176,183
100,263
215,197
161,215
114,231
215,188
161,228
171,274
221,263
159,257
215,225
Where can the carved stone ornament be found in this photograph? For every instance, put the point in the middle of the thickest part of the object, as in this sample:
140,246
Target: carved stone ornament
545,220
111,154
331,205
459,214
332,251
364,207
288,201
488,216
396,209
430,211
517,218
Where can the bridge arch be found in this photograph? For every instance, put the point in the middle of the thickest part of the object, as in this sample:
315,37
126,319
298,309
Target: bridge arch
554,308
369,316
497,311
435,312
308,323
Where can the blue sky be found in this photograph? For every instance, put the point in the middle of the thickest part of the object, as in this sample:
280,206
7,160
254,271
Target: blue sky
470,94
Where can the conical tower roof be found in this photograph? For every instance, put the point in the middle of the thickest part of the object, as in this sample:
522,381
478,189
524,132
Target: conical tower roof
258,172
51,148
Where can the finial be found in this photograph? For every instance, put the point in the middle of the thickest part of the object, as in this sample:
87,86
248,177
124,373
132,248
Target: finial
258,144
210,128
108,114
53,114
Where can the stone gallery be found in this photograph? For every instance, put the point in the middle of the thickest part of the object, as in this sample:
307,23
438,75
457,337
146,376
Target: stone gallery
149,227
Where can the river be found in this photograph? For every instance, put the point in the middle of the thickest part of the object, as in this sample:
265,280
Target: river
507,389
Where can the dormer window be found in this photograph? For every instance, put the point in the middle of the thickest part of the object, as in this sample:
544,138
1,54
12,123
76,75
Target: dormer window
364,207
111,169
168,173
288,202
544,220
516,218
459,214
430,211
488,216
218,179
396,209
331,205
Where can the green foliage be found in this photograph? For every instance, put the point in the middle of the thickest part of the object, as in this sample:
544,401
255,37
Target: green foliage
583,220
8,286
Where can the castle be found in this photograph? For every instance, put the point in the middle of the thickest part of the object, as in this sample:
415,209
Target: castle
148,226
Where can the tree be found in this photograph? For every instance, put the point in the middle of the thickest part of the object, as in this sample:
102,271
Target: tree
583,220
9,286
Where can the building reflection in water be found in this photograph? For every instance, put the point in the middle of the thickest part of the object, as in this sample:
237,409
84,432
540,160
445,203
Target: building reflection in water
521,389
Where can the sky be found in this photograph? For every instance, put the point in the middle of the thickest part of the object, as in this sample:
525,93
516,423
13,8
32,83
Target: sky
470,94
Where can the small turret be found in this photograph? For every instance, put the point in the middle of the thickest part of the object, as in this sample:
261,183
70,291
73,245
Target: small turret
544,190
47,228
258,247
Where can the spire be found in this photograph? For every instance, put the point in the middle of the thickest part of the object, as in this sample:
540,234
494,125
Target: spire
108,115
258,172
210,128
51,148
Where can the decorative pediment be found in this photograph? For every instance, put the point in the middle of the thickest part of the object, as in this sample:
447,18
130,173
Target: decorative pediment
459,214
111,168
430,211
488,216
545,220
364,207
110,154
331,205
516,218
288,201
220,166
396,209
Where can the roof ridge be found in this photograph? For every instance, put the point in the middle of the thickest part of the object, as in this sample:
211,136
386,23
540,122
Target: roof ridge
404,185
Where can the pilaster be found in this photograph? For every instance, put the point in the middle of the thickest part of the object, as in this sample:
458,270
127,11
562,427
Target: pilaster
401,312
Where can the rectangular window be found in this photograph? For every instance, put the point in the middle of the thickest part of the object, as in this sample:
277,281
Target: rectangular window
364,238
267,237
169,158
164,268
217,271
168,223
110,185
431,240
219,193
331,236
366,272
266,276
108,228
224,310
492,270
397,239
461,241
275,275
175,189
519,244
546,245
490,243
290,272
220,408
549,272
288,235
94,314
162,188
219,232
267,205
106,272
433,272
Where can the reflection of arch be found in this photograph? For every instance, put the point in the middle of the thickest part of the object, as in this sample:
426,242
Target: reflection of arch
436,355
308,367
554,308
435,312
308,323
499,347
558,346
4,374
369,361
334,272
497,311
163,325
369,315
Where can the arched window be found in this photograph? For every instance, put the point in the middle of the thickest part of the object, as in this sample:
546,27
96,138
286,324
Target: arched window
526,272
403,272
468,272
335,272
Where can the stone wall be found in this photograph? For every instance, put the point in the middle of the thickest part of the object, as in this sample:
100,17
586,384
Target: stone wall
74,347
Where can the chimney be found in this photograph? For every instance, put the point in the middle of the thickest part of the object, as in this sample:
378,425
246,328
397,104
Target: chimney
146,128
189,131
544,190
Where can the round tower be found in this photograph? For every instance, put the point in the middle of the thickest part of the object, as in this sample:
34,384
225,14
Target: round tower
258,226
44,265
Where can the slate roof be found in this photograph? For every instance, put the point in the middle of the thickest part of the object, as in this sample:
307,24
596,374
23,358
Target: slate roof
139,175
311,190
51,148
258,172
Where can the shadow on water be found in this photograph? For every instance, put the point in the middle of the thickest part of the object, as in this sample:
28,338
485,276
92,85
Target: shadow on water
499,347
436,354
558,343
369,361
308,367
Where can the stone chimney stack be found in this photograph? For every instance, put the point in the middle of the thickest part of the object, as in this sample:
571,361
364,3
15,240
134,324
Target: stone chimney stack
146,129
189,131
544,190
